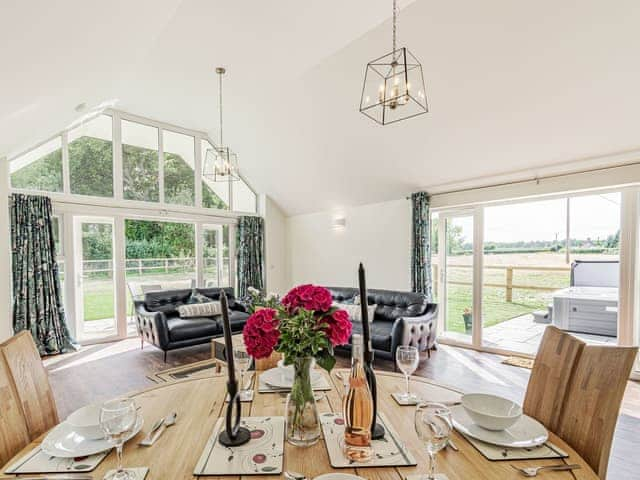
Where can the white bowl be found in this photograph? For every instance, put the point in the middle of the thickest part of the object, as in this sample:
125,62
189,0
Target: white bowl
490,411
86,422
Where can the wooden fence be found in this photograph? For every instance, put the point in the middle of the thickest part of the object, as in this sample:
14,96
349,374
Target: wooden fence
509,286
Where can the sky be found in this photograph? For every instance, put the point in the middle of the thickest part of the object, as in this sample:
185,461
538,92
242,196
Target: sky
592,216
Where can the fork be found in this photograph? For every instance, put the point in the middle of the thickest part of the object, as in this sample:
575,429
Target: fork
533,471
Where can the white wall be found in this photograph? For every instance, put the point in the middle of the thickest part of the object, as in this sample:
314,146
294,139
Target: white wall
379,235
275,247
6,329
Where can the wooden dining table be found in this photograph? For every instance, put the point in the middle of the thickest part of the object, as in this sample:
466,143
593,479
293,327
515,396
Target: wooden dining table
199,402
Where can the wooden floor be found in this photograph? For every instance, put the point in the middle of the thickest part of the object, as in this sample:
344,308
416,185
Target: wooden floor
102,371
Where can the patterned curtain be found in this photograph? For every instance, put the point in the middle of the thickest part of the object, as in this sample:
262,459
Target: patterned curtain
250,241
37,300
421,244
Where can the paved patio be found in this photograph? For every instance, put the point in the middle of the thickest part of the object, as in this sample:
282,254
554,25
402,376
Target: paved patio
522,334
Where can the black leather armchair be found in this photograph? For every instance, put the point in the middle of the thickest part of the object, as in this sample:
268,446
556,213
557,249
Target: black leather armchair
159,323
401,318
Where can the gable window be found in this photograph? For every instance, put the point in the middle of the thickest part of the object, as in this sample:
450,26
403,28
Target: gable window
91,158
179,168
39,169
140,162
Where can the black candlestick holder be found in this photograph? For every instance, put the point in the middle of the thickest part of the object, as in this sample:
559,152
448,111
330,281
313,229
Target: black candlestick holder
377,430
234,435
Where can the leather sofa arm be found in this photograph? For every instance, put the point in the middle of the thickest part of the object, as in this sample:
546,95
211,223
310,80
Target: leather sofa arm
152,326
239,306
417,331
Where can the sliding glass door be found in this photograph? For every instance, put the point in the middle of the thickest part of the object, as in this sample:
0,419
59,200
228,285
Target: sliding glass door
455,263
504,272
95,288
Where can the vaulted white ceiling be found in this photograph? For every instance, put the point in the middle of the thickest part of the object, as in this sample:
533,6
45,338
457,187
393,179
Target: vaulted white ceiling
511,85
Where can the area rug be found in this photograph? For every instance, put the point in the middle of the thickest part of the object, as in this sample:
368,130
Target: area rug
204,368
519,362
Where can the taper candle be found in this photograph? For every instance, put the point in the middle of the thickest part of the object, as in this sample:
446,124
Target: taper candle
228,343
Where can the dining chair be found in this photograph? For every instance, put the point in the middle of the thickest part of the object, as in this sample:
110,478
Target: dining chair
593,400
14,435
31,383
550,376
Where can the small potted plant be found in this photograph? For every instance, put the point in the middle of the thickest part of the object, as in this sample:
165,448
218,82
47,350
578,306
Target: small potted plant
257,300
468,320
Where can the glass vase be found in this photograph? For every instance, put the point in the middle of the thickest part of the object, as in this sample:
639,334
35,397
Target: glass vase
303,421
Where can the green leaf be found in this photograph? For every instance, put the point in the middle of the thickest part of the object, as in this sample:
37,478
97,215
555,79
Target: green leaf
326,361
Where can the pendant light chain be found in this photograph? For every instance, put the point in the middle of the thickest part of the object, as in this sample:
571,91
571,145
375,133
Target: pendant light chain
220,73
395,18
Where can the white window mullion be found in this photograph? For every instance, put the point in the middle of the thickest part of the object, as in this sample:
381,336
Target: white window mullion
66,176
198,170
200,255
119,273
232,258
628,307
442,281
161,165
478,262
118,166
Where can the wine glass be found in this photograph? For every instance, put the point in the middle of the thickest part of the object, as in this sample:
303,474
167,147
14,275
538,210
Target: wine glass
407,359
117,420
242,362
433,426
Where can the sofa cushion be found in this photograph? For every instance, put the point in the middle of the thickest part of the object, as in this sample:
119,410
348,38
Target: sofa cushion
189,328
355,311
380,334
393,305
208,309
237,320
214,294
166,301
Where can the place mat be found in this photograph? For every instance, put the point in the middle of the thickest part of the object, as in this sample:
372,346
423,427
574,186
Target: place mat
262,455
36,461
496,453
322,385
199,369
519,362
389,451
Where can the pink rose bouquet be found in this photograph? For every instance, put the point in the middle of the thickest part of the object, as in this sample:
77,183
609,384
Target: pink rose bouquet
304,325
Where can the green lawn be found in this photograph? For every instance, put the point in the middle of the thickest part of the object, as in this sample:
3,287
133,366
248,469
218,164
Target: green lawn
495,307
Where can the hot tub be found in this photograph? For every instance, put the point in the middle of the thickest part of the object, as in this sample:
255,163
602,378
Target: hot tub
587,310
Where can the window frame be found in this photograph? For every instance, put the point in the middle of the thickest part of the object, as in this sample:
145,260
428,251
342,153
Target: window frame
118,186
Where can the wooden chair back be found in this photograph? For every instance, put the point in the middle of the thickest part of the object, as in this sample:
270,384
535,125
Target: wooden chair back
592,402
13,428
550,377
31,383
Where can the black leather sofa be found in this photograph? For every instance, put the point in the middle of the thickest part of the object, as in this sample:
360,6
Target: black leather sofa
401,318
159,324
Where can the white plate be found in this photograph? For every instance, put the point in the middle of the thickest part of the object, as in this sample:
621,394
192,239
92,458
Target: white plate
283,377
526,432
63,442
338,476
